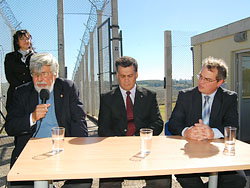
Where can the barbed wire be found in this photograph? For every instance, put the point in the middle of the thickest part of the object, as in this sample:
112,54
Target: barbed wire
8,16
90,27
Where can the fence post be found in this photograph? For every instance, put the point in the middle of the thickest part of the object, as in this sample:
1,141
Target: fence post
60,30
87,78
115,36
92,77
168,73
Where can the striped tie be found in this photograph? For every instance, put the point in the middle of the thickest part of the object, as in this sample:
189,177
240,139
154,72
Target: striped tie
206,111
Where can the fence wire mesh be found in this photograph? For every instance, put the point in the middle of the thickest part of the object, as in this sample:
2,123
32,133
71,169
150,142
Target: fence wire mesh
40,19
86,68
41,22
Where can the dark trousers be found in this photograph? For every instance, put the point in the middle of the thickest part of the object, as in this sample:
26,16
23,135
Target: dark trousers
232,179
20,184
151,182
80,183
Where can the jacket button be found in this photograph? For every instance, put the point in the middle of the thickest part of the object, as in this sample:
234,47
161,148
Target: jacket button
125,130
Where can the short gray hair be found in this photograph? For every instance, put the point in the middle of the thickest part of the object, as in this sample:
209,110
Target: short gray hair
38,60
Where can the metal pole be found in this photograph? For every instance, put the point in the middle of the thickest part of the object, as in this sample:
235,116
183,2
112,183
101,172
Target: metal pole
100,58
213,180
83,81
168,73
115,36
92,76
41,184
86,75
60,34
81,73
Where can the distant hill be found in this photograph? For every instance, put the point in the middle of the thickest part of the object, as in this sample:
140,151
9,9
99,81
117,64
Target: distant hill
158,87
160,83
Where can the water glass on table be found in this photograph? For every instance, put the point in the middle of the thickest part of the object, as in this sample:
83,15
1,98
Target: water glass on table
57,139
146,140
230,138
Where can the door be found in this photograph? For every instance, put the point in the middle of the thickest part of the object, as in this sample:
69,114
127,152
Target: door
243,83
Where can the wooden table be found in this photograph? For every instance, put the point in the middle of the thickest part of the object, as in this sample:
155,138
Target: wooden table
105,157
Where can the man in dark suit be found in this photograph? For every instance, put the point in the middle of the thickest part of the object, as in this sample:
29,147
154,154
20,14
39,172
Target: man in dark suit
113,119
202,112
28,115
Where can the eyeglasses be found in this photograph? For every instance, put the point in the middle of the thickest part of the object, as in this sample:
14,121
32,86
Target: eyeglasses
206,80
24,38
43,74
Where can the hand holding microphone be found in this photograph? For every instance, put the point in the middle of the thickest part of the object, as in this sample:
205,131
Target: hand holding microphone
41,109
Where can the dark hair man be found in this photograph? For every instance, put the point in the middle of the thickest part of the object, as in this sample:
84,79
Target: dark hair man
115,118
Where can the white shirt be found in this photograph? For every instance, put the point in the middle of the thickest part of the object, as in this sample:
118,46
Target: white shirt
217,133
132,94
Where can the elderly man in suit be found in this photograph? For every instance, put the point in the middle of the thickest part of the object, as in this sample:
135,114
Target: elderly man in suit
127,109
63,108
202,112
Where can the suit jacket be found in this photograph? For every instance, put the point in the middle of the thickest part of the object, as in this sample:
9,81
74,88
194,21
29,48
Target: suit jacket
188,110
16,72
68,109
112,119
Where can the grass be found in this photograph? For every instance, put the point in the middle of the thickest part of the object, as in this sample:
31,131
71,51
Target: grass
162,110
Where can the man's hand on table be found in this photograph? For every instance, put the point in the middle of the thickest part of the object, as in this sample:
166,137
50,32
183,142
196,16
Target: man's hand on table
199,131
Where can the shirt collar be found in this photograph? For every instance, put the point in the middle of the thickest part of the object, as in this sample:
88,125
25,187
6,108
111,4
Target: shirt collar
211,95
132,91
132,94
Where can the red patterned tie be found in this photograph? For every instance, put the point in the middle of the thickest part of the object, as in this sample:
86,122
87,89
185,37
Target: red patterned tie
130,116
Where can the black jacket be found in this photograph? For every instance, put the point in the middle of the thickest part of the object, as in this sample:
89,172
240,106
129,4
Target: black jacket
68,109
112,119
188,110
16,72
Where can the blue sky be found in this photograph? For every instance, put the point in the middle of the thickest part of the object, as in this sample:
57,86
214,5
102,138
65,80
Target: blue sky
142,22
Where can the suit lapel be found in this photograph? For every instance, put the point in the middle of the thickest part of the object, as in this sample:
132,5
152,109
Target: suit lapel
33,98
197,106
119,102
139,96
215,106
58,98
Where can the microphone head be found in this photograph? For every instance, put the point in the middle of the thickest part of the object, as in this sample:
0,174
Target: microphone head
44,95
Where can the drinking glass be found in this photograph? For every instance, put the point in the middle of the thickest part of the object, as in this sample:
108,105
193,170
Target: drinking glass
146,140
230,138
57,139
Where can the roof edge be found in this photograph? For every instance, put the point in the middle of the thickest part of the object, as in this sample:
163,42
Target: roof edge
230,29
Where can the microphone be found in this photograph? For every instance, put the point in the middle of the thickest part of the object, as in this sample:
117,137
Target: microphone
44,95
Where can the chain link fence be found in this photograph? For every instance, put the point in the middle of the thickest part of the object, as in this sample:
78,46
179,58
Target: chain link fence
87,69
182,61
38,19
84,17
182,67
